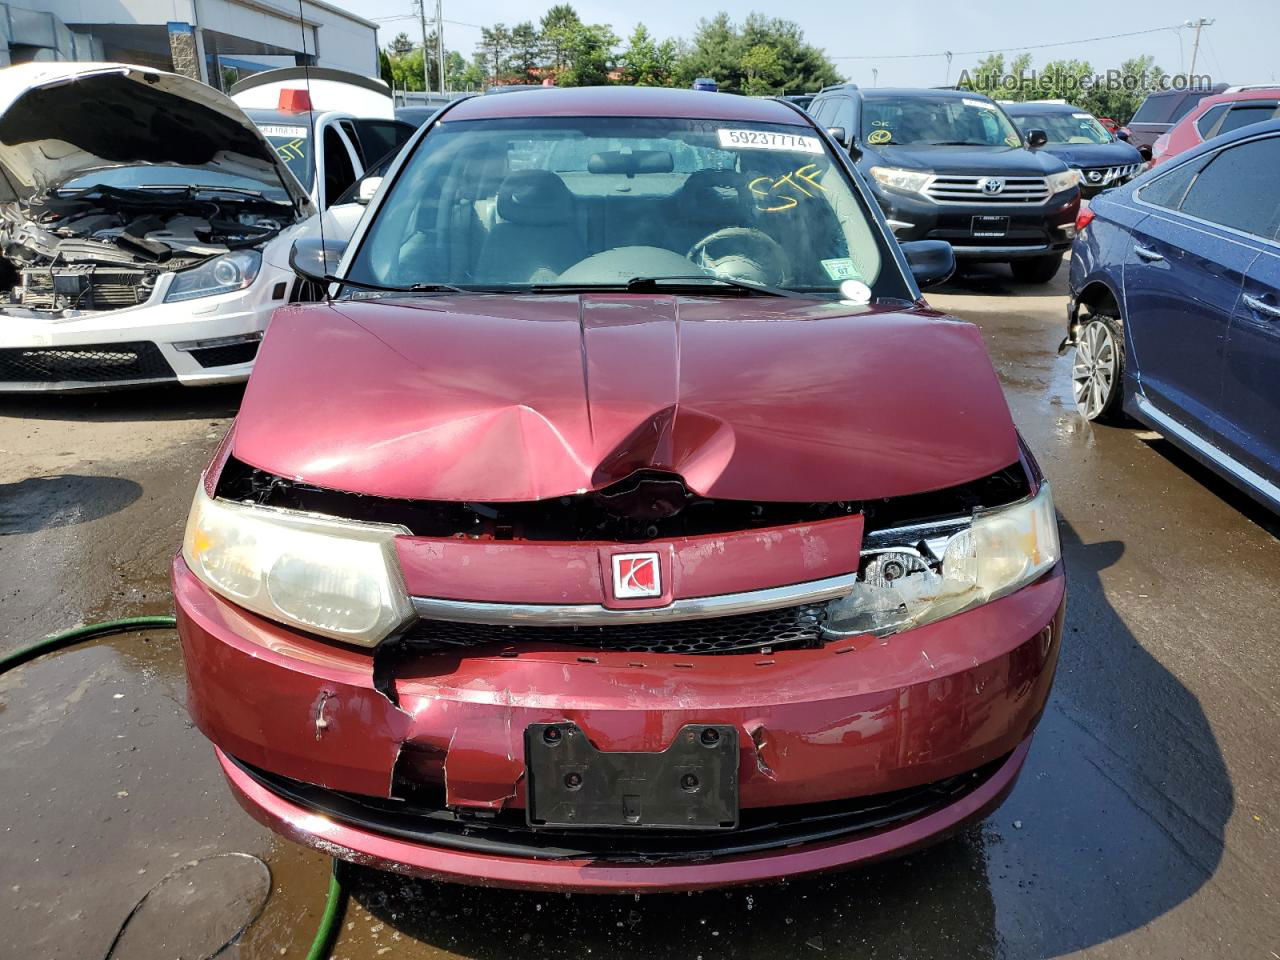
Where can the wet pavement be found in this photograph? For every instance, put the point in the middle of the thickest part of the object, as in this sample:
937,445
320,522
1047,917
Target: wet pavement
1145,823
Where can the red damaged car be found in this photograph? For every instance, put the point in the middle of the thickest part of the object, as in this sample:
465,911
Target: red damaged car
624,520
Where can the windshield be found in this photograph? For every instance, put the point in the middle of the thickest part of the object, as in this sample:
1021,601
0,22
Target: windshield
1065,127
936,121
573,202
292,144
157,175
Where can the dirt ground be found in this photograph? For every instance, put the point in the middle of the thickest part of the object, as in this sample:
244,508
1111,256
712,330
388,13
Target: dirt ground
1145,823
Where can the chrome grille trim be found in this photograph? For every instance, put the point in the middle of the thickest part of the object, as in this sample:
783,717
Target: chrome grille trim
1107,175
697,608
948,188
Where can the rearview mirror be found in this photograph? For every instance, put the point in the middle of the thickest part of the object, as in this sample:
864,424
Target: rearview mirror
1036,138
313,259
931,261
368,187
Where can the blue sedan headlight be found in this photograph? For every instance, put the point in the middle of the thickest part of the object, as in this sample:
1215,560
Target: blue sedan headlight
225,274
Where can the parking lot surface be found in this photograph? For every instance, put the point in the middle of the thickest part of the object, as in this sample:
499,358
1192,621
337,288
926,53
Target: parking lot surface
1146,823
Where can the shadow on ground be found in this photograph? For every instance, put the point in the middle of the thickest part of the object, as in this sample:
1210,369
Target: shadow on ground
1125,799
62,500
169,402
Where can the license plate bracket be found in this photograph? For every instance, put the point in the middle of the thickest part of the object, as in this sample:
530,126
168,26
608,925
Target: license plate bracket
987,225
691,785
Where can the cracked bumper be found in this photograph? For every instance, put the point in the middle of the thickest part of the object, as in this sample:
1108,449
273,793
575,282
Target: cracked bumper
849,720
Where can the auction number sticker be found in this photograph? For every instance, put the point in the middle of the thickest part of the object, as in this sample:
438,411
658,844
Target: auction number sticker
977,103
279,130
768,140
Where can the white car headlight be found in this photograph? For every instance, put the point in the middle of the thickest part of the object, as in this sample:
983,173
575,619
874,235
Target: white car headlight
910,181
1063,181
900,587
225,274
337,578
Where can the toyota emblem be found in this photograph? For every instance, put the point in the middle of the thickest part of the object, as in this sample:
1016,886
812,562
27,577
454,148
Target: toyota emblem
992,185
636,575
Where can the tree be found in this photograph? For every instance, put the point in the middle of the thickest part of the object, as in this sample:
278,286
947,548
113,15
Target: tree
495,43
645,63
729,54
384,68
589,56
526,51
762,68
559,27
401,45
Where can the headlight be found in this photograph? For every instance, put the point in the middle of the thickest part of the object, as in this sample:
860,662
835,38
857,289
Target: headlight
1063,181
902,587
225,274
337,578
910,181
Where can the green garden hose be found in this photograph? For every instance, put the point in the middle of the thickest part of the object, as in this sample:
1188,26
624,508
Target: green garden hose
324,937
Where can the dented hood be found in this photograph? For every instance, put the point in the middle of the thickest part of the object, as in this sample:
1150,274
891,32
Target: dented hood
61,120
508,398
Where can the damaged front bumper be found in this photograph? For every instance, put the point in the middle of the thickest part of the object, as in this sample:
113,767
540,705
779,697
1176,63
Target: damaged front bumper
894,741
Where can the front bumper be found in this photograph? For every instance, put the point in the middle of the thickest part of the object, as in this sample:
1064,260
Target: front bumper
854,719
1034,229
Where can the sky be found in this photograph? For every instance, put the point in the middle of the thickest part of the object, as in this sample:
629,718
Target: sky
1242,45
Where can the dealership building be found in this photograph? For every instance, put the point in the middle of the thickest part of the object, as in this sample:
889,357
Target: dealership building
217,41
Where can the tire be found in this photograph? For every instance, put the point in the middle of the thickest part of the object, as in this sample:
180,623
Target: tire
1097,369
1036,269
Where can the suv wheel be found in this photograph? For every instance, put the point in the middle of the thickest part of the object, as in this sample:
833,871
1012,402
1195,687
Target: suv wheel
1097,371
1036,269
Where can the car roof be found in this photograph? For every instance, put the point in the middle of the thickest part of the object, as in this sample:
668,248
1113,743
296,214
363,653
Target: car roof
628,102
1246,132
1030,108
1261,93
876,93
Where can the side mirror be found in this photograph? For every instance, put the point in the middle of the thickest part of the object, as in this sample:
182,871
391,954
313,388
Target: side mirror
1123,134
838,135
1036,138
313,259
931,261
368,187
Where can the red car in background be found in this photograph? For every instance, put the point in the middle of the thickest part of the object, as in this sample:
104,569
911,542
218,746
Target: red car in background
627,521
1214,116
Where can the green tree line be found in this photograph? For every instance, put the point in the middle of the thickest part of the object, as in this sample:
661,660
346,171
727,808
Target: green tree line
760,55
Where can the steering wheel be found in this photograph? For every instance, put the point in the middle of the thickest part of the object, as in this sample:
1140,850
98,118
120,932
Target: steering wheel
751,254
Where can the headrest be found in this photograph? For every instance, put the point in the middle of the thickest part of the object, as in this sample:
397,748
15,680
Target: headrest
713,196
631,162
535,197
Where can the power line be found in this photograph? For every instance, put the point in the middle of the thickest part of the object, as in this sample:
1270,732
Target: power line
1033,46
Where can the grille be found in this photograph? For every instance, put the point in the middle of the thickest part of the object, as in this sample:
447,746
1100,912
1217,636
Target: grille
798,626
426,820
92,363
1102,176
953,189
90,288
226,356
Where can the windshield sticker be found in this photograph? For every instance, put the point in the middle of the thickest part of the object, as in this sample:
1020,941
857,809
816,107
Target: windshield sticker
1082,116
803,181
841,268
291,150
1012,141
279,130
768,140
855,291
879,136
977,103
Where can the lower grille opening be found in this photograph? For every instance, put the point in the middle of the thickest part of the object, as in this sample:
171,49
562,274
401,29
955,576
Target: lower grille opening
425,820
786,628
92,363
227,355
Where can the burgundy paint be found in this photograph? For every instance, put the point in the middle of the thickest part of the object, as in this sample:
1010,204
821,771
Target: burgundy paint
631,102
508,398
587,876
705,566
849,719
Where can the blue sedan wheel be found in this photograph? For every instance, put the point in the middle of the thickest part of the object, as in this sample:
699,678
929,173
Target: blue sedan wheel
1098,368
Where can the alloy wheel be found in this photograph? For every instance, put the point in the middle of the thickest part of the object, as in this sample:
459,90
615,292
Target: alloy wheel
1093,375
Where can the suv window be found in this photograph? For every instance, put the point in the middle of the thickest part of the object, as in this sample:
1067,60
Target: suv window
1243,114
1157,108
1186,105
1206,121
1237,190
338,171
379,137
823,111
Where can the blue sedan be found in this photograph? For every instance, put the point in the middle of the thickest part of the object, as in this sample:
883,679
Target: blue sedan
1175,306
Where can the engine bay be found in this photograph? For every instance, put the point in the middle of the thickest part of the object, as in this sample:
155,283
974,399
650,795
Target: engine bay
68,252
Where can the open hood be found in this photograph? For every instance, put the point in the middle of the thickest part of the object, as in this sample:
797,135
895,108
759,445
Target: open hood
61,120
510,398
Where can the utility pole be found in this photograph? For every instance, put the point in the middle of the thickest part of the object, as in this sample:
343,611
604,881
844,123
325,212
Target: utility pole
440,43
947,82
422,16
1195,49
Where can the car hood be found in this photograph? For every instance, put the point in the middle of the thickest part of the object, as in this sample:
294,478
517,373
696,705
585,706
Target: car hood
61,120
511,398
1094,154
999,161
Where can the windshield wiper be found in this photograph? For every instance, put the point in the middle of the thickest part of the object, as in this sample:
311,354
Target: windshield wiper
387,288
641,284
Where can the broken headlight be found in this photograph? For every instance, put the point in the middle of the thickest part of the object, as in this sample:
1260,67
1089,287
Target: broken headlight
225,274
903,585
337,578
